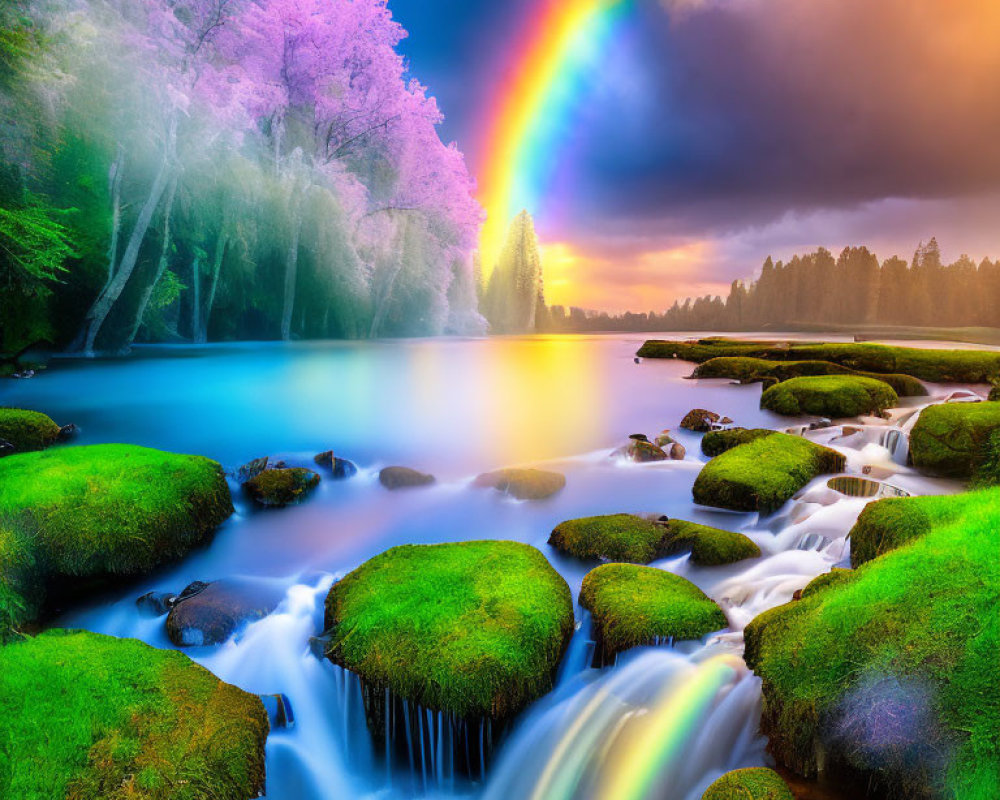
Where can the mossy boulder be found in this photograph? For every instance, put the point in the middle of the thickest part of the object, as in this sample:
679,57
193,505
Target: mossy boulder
474,629
753,783
404,478
715,443
281,487
747,370
523,484
952,439
888,673
634,605
943,366
831,396
708,546
91,716
612,537
27,430
102,511
761,475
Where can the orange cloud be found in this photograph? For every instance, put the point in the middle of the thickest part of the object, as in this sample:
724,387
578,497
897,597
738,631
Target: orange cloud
649,280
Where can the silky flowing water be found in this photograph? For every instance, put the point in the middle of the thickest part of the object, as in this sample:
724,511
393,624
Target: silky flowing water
661,723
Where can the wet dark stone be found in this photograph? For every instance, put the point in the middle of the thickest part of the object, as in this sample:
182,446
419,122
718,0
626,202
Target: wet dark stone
67,432
6,448
217,610
155,604
638,437
251,469
279,710
699,420
340,467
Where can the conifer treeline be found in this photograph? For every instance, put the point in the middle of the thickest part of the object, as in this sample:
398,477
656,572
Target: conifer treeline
820,289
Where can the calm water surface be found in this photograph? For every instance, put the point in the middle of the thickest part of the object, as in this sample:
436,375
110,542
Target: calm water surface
663,723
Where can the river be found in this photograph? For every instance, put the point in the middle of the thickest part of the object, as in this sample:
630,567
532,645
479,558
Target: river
662,723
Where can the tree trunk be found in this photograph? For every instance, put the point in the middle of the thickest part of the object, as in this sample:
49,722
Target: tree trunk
195,300
291,272
220,253
98,313
161,266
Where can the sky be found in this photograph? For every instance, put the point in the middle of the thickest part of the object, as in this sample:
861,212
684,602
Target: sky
711,133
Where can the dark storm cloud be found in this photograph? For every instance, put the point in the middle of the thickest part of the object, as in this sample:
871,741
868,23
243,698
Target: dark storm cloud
756,107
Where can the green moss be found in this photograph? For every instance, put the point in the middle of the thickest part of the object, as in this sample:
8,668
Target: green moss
952,439
633,605
754,783
945,366
27,430
18,593
474,628
88,716
763,474
107,509
715,443
758,369
918,627
614,537
709,547
821,582
281,487
832,396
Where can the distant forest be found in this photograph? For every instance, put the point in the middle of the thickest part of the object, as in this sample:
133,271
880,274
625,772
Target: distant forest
820,289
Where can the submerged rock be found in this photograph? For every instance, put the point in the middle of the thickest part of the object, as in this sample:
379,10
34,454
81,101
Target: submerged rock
699,420
404,478
93,716
340,467
281,487
209,613
853,486
633,605
279,710
155,604
523,484
643,451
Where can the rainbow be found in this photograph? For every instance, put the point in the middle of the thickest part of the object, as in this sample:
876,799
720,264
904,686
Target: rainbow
546,78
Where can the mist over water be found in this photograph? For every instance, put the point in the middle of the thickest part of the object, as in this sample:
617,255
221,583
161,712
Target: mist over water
663,722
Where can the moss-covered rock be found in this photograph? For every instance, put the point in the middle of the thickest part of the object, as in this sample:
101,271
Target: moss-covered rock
106,510
716,443
90,716
829,396
763,474
27,430
944,366
633,605
708,546
753,783
951,439
475,629
889,672
749,370
404,478
523,484
613,537
281,487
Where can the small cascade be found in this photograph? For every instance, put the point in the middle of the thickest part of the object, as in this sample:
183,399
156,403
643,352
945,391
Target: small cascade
897,442
658,726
